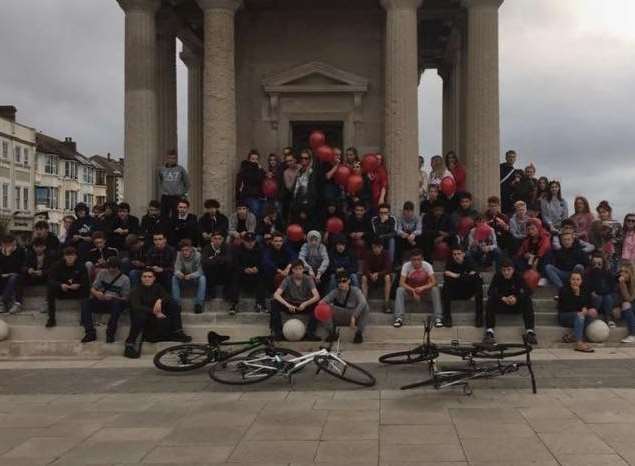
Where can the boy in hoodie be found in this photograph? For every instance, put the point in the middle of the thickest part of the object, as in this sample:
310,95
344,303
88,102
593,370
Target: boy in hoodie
408,230
109,295
123,225
160,258
135,263
377,272
342,259
276,261
509,293
184,224
569,258
461,281
174,183
188,271
534,248
315,257
349,304
216,264
68,279
80,232
482,245
385,228
153,222
247,273
96,257
38,263
241,222
41,230
212,221
12,262
249,182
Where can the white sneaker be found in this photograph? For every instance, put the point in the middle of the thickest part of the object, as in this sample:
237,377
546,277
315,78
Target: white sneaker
611,324
17,307
629,339
542,282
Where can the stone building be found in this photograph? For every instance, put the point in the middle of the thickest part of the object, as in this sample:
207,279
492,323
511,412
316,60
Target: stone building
17,159
263,73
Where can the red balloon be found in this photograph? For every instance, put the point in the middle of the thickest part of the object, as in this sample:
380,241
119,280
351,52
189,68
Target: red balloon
325,154
323,312
354,184
295,233
417,278
482,232
465,225
270,188
441,251
532,278
370,163
448,186
334,225
342,174
317,139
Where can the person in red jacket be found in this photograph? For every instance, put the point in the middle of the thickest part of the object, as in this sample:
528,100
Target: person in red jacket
534,248
457,170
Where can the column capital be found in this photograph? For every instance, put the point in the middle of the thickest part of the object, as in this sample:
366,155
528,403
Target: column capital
401,4
167,22
231,5
482,3
190,57
149,6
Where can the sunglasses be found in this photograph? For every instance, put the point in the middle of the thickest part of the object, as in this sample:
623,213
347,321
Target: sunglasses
343,280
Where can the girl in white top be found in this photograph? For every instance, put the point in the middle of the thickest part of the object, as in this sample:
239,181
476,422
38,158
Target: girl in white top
439,170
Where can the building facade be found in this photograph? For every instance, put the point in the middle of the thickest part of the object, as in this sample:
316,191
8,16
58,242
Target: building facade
264,73
113,178
17,160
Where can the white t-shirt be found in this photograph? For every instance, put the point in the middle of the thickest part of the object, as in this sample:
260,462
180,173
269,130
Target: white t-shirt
408,268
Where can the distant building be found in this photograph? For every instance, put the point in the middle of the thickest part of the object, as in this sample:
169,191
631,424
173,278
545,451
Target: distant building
17,160
113,172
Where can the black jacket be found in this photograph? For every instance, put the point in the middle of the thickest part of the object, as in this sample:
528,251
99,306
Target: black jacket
567,259
600,281
163,258
14,262
501,287
84,226
184,228
31,261
215,258
95,255
245,258
151,225
249,180
143,298
60,273
119,241
208,224
568,302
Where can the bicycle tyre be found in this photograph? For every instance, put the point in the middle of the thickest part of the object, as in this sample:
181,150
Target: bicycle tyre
500,351
264,351
408,357
235,372
181,355
351,373
435,382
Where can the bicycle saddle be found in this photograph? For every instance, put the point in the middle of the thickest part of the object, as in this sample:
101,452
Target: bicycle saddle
214,338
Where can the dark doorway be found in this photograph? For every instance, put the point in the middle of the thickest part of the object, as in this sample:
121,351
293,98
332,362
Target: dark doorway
300,131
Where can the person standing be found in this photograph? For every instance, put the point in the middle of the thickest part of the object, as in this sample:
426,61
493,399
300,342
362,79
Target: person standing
506,179
174,183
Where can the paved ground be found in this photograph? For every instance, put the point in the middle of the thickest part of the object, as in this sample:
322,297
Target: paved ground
115,411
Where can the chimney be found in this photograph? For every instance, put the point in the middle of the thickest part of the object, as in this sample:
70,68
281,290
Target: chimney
72,145
108,156
8,112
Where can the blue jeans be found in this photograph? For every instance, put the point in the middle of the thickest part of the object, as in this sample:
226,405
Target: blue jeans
629,318
333,283
135,278
604,304
558,276
254,204
576,321
484,259
201,288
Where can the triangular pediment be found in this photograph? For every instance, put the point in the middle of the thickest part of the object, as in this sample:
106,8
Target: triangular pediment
315,77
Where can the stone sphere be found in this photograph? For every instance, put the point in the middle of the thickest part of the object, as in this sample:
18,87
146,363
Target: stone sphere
293,330
4,330
597,331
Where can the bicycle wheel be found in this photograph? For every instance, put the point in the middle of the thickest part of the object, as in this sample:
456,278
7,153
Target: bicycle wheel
249,370
345,370
272,352
408,357
500,351
183,358
438,381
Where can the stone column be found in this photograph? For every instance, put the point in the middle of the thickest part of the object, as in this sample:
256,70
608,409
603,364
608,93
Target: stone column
219,101
448,121
140,172
482,132
194,63
401,113
166,83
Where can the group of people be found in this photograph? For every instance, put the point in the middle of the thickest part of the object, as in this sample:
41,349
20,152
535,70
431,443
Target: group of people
298,237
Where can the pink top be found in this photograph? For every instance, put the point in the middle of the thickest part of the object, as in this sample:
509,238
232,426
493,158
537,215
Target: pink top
583,225
628,247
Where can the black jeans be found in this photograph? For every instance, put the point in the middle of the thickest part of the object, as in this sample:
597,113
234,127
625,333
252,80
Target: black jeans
113,307
168,205
462,288
524,306
218,275
139,319
243,281
275,321
55,292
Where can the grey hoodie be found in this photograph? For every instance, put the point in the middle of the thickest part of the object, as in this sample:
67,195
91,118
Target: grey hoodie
173,181
189,266
316,258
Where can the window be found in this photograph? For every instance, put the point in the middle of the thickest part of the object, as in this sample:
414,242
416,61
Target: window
89,175
25,198
70,170
100,177
70,200
18,196
88,200
50,166
18,154
5,196
47,197
55,194
5,150
55,228
25,156
100,200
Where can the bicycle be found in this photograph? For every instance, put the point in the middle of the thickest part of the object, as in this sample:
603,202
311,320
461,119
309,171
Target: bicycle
192,356
250,370
470,353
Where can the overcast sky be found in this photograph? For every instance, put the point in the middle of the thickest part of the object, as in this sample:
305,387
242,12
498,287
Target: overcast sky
567,85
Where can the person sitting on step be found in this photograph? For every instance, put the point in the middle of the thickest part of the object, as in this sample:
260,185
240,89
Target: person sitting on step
349,305
247,273
97,256
68,279
108,295
188,271
12,262
417,279
38,263
508,293
160,258
377,272
575,311
461,282
217,264
147,301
